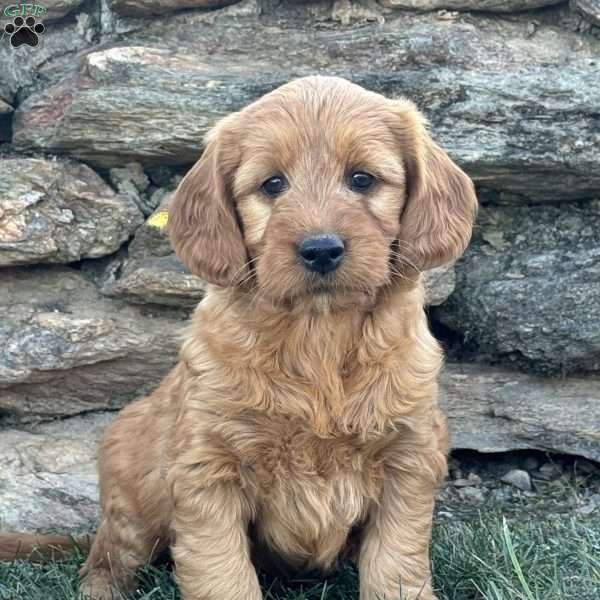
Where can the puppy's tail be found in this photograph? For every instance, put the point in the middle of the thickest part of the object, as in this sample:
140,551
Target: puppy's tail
41,548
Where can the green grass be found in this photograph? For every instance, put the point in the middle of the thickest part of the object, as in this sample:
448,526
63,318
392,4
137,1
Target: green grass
482,558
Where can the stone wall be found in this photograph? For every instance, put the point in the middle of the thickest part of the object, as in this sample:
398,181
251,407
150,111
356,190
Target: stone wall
99,121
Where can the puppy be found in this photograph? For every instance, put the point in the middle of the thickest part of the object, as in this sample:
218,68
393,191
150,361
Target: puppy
301,422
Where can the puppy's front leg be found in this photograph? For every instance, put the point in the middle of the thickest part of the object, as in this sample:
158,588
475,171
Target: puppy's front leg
211,552
394,553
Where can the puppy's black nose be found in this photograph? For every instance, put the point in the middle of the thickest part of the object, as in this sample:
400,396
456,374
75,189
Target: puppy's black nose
321,253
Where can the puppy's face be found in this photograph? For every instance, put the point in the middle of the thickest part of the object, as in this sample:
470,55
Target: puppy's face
319,190
320,187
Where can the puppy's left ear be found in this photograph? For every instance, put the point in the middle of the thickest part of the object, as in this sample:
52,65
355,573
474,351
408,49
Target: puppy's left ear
441,204
203,223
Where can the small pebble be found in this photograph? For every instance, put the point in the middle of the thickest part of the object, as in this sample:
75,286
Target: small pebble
470,481
471,494
587,509
531,463
549,471
519,479
503,494
587,467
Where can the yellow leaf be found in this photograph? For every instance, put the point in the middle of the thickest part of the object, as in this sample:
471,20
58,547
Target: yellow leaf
159,219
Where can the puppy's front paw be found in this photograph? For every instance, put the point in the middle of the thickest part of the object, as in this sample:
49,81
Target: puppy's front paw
98,585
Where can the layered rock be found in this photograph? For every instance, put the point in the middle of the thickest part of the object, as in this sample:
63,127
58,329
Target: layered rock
506,107
495,410
56,9
152,273
48,476
528,287
590,9
65,349
140,8
59,211
499,6
25,67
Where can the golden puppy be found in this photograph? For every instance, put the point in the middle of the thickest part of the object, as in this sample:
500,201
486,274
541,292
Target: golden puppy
301,422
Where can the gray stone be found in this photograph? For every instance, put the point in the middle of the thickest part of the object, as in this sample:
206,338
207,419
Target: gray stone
519,479
500,6
132,182
527,289
531,463
349,11
56,54
151,273
140,8
439,284
589,505
155,280
590,9
48,476
587,467
471,494
57,9
473,480
59,211
496,410
66,349
518,114
549,471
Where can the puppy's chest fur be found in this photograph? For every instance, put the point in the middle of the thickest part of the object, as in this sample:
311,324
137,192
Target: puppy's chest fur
304,418
309,492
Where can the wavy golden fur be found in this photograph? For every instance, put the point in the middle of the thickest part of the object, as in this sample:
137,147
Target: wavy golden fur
301,423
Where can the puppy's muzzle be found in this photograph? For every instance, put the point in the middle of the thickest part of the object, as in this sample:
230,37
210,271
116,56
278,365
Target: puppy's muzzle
321,253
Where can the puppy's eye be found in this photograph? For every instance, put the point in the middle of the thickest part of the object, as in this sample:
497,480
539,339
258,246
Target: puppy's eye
361,181
274,186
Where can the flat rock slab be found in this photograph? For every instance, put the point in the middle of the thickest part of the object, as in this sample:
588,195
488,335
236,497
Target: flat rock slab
141,8
590,9
48,476
24,66
151,273
496,410
528,288
57,9
58,212
66,349
499,6
508,109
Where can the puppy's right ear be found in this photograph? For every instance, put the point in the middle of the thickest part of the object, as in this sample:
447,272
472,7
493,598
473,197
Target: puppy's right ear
203,224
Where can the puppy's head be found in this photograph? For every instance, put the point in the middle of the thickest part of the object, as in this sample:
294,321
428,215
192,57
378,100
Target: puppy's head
320,187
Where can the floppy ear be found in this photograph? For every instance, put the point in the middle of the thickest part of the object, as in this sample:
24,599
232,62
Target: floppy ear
203,224
441,204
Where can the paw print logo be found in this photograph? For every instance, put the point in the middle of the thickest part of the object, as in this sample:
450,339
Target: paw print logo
24,31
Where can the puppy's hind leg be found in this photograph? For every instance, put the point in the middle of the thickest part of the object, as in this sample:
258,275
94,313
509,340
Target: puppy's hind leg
120,548
134,504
